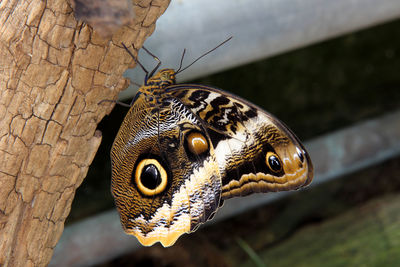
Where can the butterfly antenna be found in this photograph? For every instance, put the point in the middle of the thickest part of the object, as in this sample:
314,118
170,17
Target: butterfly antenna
180,64
137,61
205,54
156,58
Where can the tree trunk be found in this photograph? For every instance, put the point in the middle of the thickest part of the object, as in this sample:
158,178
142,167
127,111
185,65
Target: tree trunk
54,71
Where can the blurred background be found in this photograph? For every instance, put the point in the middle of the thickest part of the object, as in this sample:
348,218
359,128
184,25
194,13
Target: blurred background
330,71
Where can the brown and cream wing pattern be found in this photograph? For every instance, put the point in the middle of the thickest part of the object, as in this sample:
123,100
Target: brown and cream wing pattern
255,151
164,183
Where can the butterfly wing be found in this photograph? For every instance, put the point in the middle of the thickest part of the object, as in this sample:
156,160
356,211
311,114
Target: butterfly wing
254,150
165,177
177,154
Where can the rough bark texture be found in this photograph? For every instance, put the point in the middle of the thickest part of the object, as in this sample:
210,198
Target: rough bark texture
54,71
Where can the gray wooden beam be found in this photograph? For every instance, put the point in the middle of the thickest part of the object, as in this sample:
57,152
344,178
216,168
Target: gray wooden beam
260,29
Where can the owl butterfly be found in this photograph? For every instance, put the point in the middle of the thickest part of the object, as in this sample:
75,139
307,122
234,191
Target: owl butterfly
183,149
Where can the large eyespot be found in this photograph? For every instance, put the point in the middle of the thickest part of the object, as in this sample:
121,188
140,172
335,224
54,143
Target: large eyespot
150,177
273,162
196,143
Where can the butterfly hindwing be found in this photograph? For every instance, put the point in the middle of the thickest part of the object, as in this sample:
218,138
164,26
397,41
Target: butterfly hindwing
185,189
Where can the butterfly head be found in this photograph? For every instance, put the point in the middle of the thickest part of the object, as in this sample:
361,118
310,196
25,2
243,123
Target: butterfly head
163,78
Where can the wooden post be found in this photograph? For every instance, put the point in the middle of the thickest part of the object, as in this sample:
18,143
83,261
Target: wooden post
54,70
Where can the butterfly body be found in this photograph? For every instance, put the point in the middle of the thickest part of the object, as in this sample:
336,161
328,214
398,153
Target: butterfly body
183,149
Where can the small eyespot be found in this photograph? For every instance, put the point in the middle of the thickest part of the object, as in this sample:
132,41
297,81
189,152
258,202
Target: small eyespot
273,162
150,177
300,154
197,143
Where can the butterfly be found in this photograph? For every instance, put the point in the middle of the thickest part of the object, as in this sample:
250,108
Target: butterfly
183,149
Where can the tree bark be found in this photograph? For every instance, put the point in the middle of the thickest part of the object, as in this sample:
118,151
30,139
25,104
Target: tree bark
54,71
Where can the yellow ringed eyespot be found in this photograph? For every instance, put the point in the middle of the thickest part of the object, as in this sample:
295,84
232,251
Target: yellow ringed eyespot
150,177
273,162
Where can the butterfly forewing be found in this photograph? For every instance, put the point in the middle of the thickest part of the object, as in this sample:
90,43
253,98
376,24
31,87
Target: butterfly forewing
255,151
